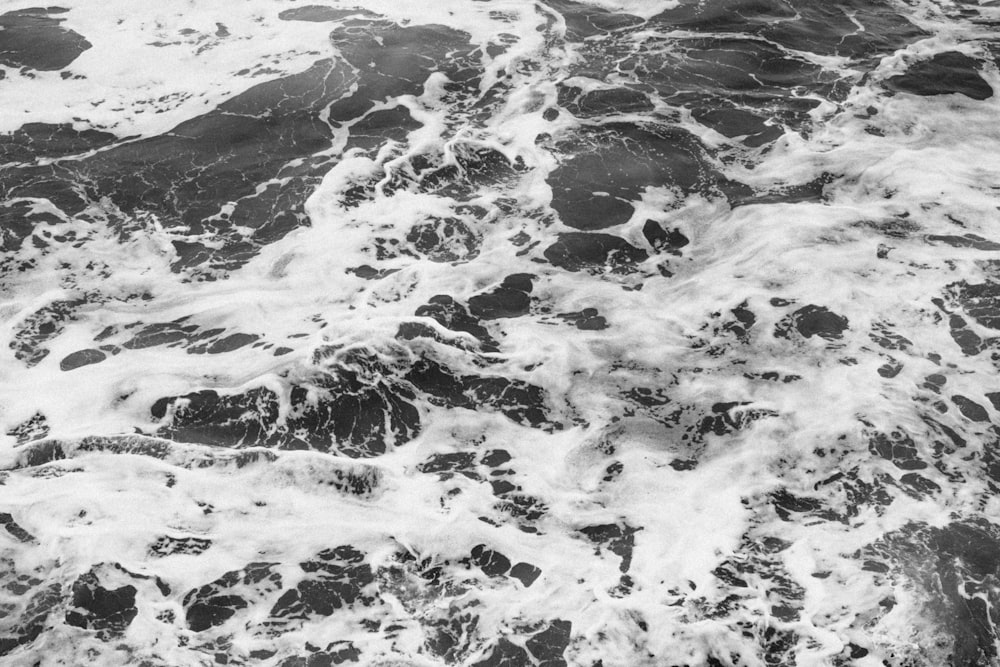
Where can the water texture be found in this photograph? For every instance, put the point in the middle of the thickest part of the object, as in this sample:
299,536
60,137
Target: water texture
500,333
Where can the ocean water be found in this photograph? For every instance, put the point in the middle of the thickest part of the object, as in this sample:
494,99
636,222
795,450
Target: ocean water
500,333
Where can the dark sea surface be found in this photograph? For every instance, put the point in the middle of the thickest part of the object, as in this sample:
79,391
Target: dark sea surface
617,333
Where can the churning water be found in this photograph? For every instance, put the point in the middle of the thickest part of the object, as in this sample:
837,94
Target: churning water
500,333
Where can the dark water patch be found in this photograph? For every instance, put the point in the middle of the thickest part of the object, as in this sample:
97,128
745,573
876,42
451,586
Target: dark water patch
855,491
369,272
897,227
451,315
44,140
461,176
759,559
34,427
603,102
918,486
359,408
214,603
890,369
502,487
787,504
483,166
342,411
15,529
322,13
272,212
526,573
813,191
970,342
729,72
335,653
496,457
518,400
492,563
951,441
42,326
587,319
166,333
664,240
375,128
34,39
607,168
426,172
334,579
970,409
447,464
391,248
841,497
991,464
618,538
578,251
615,469
811,321
39,453
584,20
451,637
980,301
883,335
718,332
32,621
81,358
505,654
189,176
352,479
511,299
448,239
898,447
167,545
734,122
521,509
428,591
53,182
548,646
745,319
957,567
107,611
18,221
934,382
726,15
773,376
227,344
694,424
851,28
647,396
966,241
544,648
393,61
943,74
727,418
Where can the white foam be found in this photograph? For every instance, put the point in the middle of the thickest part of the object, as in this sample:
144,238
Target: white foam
933,160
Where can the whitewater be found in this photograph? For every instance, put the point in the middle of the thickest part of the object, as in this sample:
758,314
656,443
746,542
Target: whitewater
500,333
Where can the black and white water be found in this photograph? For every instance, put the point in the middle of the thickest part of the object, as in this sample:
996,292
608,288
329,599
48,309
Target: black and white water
500,333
